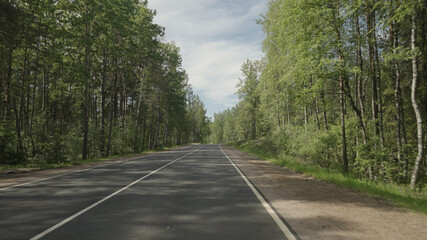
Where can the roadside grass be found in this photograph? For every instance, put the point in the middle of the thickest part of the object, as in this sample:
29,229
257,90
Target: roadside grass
44,165
399,194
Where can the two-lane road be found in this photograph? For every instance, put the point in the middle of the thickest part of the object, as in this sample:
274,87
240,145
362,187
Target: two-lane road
188,193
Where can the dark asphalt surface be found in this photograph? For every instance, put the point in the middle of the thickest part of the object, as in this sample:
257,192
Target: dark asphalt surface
200,196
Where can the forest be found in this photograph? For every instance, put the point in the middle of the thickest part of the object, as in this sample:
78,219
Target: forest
90,78
342,85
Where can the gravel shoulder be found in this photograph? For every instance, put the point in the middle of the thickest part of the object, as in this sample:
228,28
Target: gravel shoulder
317,209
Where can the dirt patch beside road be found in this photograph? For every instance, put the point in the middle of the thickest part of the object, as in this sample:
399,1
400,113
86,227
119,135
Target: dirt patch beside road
317,209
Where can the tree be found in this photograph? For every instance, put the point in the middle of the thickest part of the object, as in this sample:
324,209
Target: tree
418,116
83,79
328,57
248,93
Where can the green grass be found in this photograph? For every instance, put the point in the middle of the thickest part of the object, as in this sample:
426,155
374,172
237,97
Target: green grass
399,194
44,166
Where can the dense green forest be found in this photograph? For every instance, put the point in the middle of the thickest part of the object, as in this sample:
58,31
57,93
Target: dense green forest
342,86
90,78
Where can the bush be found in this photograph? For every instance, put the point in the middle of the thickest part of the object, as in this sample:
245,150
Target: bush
327,149
74,144
9,154
51,152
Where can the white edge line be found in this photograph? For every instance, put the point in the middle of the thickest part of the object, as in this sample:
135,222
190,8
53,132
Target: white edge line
273,214
63,222
77,171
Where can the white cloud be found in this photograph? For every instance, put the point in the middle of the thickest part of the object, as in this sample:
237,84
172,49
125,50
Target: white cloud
215,67
215,37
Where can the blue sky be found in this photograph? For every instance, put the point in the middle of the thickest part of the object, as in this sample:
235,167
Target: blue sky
215,37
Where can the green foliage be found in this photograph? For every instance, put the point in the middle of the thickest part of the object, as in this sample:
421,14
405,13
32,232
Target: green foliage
323,150
198,121
327,59
83,79
73,143
217,128
51,152
327,149
8,153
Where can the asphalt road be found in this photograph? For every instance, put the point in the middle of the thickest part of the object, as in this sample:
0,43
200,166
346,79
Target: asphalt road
188,193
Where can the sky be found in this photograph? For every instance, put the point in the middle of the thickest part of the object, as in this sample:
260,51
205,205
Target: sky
215,38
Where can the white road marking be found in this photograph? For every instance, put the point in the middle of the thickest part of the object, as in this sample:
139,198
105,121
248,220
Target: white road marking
267,206
77,171
39,180
64,174
63,222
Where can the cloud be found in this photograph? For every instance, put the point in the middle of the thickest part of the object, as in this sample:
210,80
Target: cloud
215,68
215,37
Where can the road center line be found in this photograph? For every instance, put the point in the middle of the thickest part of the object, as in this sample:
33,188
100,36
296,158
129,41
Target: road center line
63,222
288,233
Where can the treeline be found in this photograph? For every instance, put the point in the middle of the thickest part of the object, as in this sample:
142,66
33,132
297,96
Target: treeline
90,78
342,85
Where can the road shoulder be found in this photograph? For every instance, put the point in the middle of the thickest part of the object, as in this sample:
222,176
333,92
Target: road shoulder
317,209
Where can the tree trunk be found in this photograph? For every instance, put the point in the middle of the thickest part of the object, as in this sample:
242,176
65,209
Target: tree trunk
144,129
305,112
342,78
103,80
317,113
344,142
325,117
113,108
123,105
2,79
380,103
278,109
253,124
288,110
359,79
150,134
178,139
166,133
372,74
359,111
86,92
414,102
45,105
372,67
394,40
30,127
19,117
157,131
138,116
7,100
